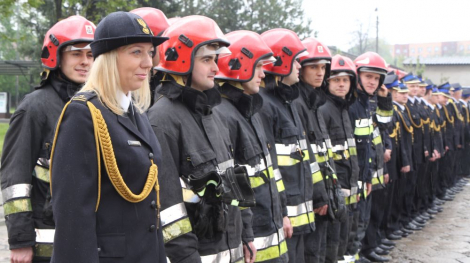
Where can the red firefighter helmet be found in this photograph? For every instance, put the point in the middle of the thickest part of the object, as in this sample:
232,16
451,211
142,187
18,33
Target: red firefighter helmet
247,50
155,19
173,20
371,62
189,37
286,47
74,29
316,51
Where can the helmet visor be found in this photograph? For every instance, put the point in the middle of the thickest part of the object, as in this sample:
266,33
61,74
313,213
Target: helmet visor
74,48
212,49
268,60
316,62
373,70
339,74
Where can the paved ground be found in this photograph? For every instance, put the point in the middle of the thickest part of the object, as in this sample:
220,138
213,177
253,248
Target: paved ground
445,239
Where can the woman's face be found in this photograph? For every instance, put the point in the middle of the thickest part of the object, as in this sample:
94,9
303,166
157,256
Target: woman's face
134,63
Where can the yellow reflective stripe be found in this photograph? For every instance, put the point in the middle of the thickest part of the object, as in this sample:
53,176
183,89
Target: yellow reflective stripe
176,229
337,157
384,113
360,131
286,160
43,250
17,206
271,253
352,151
320,159
377,140
317,177
280,186
375,180
41,173
303,219
257,181
189,196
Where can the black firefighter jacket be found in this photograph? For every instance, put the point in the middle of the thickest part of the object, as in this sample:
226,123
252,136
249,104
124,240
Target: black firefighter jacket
287,142
336,116
25,165
321,159
363,127
118,231
250,147
194,142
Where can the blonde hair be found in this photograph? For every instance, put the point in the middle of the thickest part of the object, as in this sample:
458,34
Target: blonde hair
104,80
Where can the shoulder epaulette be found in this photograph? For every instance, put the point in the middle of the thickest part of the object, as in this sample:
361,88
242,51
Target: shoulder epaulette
83,96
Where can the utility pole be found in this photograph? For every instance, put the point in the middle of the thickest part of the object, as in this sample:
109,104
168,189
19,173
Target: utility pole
377,35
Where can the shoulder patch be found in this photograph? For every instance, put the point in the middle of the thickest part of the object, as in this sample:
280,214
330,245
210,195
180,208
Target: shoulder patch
84,96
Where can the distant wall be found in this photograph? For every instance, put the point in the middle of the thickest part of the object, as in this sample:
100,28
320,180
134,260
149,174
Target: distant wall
454,73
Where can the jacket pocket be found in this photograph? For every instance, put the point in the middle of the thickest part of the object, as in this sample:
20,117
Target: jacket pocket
201,156
112,245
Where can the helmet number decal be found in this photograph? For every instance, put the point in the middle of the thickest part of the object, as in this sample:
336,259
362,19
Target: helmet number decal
320,49
89,30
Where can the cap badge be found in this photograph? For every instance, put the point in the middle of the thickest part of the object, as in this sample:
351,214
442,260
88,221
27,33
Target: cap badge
145,29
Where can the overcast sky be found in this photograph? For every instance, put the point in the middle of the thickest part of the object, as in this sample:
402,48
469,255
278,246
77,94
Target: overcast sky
400,21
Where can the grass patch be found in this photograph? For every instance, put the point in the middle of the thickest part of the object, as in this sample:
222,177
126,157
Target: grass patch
3,131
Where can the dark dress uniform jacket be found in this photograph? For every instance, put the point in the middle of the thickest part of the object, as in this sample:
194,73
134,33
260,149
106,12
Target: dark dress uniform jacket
119,231
25,183
194,141
335,113
251,150
286,138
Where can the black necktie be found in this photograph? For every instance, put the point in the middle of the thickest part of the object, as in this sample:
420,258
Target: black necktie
130,114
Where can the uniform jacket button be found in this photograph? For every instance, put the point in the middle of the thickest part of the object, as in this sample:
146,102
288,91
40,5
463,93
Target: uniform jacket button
152,228
151,155
99,249
153,205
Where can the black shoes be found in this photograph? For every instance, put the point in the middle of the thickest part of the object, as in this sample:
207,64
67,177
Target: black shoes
385,247
381,252
388,242
372,256
413,227
394,236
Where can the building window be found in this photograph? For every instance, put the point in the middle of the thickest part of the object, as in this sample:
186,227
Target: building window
461,48
436,49
429,49
405,50
445,48
420,50
397,51
468,47
412,51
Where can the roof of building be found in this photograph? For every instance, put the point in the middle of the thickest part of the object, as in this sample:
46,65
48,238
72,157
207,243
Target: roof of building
438,61
10,67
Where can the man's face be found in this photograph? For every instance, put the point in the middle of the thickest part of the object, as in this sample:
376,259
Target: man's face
339,86
442,99
370,81
421,91
204,70
400,97
76,64
252,86
457,94
414,89
293,76
314,74
433,99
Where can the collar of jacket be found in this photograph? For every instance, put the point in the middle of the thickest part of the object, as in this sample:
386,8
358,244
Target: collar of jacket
285,92
339,102
64,87
200,102
313,97
362,97
246,104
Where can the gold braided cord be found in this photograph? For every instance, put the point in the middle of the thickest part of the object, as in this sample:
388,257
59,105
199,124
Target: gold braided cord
437,111
411,119
408,129
111,164
427,121
395,130
436,128
457,112
468,114
447,115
